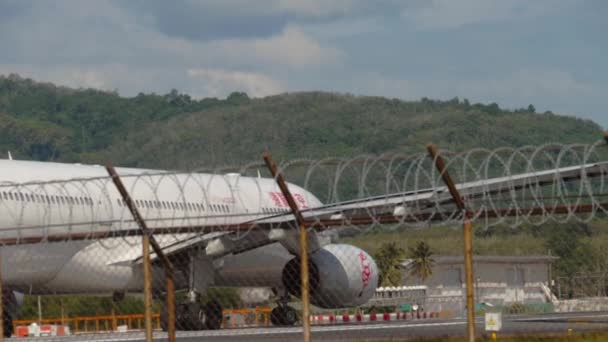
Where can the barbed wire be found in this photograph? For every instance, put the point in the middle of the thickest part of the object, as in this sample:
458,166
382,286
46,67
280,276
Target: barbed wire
531,184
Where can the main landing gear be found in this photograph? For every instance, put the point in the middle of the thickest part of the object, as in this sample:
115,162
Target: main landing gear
283,314
194,316
7,324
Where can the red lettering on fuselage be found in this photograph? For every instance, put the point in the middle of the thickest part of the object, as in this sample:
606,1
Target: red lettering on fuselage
366,269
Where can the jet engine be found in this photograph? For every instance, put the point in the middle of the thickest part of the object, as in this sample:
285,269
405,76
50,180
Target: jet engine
339,276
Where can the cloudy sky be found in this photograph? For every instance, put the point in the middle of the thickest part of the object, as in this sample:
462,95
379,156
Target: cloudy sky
514,52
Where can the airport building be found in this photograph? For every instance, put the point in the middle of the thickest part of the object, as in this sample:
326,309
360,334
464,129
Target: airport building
498,281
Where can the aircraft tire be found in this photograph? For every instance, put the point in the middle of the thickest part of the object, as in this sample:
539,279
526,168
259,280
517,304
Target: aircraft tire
283,316
7,324
213,315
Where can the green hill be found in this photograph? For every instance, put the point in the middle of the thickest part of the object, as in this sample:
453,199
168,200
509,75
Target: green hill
46,122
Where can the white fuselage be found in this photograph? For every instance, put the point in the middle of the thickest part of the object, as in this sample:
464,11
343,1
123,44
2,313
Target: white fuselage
35,203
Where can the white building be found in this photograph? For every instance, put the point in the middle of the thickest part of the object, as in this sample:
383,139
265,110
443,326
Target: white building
498,280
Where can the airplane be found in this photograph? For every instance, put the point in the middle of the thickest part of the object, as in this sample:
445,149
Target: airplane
44,200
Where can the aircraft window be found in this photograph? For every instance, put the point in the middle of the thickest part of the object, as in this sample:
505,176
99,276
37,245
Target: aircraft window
5,195
190,206
119,202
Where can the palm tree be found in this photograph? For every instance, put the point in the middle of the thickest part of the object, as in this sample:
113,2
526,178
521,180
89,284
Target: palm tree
389,258
422,261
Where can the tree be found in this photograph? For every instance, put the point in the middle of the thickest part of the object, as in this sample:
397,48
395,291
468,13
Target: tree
388,259
422,261
531,108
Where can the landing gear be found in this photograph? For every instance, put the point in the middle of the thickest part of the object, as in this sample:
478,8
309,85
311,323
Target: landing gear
283,315
8,324
193,316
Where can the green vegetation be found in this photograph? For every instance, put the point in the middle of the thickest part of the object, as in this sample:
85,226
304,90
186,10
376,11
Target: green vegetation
579,247
42,121
388,258
422,261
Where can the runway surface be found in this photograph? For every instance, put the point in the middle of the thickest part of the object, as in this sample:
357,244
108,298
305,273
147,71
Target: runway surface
520,324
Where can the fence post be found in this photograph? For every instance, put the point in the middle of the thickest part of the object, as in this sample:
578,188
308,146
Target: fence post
1,305
149,240
303,243
468,240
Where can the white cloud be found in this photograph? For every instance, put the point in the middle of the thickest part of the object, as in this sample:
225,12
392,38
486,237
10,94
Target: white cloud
292,48
307,8
446,14
526,84
315,7
219,82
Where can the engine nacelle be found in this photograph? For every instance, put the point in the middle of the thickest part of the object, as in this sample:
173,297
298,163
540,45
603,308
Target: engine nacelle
339,276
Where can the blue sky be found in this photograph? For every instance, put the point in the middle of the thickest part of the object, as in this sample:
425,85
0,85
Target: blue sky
514,52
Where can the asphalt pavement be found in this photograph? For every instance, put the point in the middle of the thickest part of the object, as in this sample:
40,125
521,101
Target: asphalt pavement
518,324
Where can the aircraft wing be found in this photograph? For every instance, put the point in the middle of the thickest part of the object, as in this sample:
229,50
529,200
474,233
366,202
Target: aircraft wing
280,228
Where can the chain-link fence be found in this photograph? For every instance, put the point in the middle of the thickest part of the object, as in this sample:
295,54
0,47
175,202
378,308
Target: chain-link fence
384,244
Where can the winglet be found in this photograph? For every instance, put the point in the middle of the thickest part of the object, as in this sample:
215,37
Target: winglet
10,156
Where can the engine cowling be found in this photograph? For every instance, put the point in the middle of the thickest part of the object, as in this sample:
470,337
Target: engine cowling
339,276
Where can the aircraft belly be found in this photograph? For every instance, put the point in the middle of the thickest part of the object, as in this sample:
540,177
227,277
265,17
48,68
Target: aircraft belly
35,264
92,270
261,267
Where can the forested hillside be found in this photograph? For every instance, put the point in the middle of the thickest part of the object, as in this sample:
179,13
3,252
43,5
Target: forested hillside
42,121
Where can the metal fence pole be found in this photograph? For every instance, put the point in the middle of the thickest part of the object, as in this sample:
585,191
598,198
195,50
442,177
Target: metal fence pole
468,240
303,243
1,305
147,286
151,241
